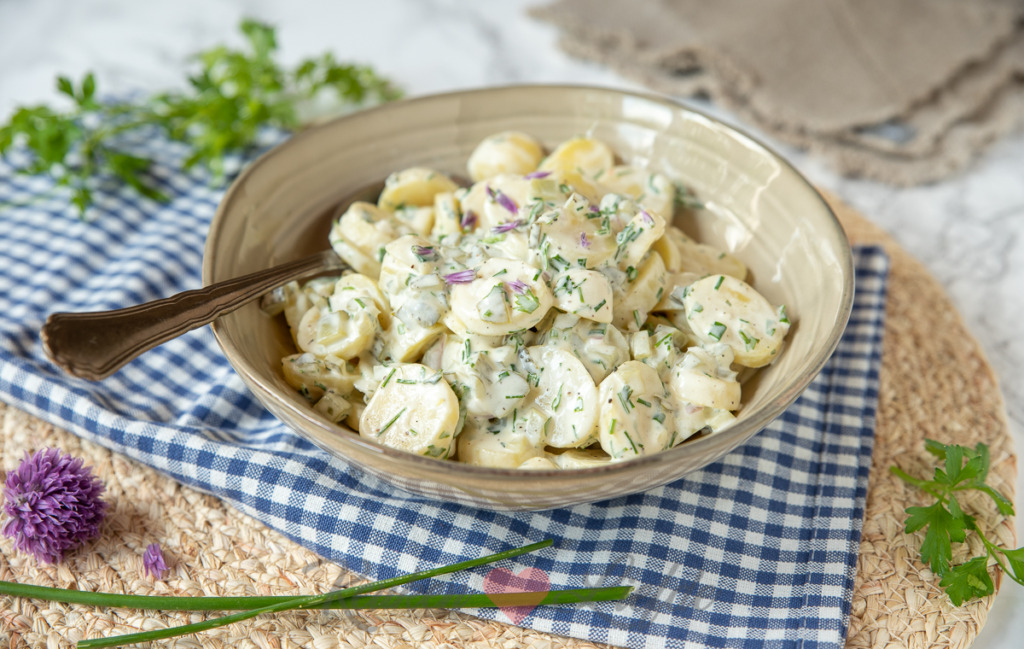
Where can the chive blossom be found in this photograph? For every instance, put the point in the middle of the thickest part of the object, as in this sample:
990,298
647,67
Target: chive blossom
460,276
507,226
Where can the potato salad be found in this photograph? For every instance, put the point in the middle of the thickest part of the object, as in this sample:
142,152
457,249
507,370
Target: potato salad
544,315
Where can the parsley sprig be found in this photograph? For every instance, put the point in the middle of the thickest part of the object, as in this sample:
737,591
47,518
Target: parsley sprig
232,96
945,522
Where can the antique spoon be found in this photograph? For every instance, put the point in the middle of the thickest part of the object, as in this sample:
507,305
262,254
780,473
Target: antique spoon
93,345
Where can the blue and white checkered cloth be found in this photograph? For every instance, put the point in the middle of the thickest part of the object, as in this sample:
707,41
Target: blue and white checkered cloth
756,550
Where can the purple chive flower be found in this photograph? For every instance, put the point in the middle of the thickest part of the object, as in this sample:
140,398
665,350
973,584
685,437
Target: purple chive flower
52,504
468,220
584,241
537,174
647,217
460,276
507,226
517,287
153,561
424,253
502,199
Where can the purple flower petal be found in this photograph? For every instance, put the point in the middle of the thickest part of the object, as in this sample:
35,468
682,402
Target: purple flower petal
468,220
537,174
153,561
502,199
583,240
424,253
460,276
507,226
517,287
53,505
647,217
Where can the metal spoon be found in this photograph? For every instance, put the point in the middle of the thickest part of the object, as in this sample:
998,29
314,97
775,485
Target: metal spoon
94,345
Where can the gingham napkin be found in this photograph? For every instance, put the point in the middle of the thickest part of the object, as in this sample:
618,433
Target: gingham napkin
757,550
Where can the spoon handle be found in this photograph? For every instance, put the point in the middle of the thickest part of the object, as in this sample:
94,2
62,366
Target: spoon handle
96,344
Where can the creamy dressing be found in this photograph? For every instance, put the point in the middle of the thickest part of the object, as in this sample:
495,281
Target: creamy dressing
546,316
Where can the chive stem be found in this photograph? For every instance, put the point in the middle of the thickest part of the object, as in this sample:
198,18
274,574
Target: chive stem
312,601
245,603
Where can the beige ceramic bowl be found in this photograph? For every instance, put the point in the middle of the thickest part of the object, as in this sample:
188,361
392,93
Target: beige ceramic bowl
758,207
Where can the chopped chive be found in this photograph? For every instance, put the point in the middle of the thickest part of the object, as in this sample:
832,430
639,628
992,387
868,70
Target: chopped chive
717,330
643,402
748,341
391,421
385,382
631,443
721,278
783,318
624,395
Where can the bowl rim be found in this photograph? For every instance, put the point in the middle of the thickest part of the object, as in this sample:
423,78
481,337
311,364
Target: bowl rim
746,429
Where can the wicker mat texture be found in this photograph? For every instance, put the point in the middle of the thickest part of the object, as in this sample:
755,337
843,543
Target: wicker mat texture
935,383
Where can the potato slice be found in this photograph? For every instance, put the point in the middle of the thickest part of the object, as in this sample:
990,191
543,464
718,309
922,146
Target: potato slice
414,187
635,298
654,191
682,254
633,420
566,393
507,296
360,234
508,152
413,409
344,334
704,378
586,293
503,443
721,308
313,376
589,157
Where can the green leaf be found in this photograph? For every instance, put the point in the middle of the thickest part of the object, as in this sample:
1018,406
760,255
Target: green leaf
938,449
1015,558
65,87
88,89
944,529
261,36
1003,504
954,463
968,581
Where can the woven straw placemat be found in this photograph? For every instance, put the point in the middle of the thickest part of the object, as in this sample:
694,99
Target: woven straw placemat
935,383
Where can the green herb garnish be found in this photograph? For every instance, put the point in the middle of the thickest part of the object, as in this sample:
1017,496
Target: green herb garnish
344,598
717,330
945,522
230,99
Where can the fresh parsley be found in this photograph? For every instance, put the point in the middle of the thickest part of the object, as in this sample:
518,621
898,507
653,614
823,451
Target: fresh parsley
945,523
232,96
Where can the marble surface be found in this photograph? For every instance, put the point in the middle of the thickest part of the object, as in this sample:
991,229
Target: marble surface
968,230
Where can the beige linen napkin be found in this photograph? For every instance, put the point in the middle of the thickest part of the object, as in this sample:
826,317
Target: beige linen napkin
904,91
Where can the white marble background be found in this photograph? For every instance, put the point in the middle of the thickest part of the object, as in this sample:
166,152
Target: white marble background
968,230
